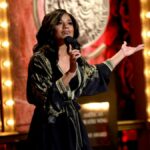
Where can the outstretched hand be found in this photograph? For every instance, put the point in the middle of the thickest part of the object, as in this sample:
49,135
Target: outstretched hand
128,50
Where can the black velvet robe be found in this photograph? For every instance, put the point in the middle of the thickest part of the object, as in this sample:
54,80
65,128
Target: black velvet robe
56,123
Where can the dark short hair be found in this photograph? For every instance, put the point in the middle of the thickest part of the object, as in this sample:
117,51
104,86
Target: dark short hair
46,32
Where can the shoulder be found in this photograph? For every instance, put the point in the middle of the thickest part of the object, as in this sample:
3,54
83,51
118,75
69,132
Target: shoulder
43,53
39,60
37,57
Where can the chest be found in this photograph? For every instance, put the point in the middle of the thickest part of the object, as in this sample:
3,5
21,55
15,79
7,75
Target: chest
64,64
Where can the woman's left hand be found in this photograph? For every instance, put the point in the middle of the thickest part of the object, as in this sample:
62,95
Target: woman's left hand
128,50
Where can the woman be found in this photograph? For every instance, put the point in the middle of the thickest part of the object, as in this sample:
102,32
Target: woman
56,79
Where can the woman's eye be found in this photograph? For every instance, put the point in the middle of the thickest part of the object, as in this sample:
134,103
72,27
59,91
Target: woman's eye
59,22
70,23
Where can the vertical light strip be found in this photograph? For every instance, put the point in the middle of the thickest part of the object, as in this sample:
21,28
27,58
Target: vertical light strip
145,18
5,66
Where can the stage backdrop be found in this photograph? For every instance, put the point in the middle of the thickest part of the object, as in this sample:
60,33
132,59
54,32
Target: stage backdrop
104,25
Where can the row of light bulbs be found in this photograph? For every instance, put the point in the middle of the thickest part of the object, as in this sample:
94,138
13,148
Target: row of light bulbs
145,17
6,64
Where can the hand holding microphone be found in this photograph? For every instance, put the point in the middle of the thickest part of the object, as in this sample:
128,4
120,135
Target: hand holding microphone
75,45
71,41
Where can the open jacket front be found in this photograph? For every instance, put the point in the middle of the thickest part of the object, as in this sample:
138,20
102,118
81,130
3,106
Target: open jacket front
56,123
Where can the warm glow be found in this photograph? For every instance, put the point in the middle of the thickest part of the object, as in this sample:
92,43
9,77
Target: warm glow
147,91
6,63
5,44
147,72
148,110
148,34
3,5
96,106
146,53
143,1
145,19
8,83
9,102
4,24
147,15
10,122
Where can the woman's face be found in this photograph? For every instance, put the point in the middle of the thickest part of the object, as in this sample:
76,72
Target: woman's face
64,28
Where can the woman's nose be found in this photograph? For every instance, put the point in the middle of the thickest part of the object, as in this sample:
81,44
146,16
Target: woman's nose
65,25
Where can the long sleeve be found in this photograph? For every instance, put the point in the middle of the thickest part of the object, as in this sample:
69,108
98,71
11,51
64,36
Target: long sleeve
96,79
42,90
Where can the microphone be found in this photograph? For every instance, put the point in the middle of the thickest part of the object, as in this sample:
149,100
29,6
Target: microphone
75,45
69,40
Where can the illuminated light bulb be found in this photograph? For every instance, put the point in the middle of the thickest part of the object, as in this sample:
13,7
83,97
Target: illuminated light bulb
8,83
6,63
148,110
96,106
10,122
144,34
145,53
147,90
4,24
9,102
147,15
146,72
141,14
3,5
143,1
148,34
5,44
148,53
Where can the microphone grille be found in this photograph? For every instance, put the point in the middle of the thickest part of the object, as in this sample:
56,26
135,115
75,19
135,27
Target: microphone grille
68,40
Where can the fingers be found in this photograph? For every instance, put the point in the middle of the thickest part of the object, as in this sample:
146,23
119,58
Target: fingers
140,47
70,48
75,54
124,43
137,48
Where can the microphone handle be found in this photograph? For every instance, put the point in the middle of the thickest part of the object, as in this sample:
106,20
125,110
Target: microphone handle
80,61
76,45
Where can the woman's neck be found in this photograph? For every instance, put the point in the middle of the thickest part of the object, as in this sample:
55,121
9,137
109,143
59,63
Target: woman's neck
62,50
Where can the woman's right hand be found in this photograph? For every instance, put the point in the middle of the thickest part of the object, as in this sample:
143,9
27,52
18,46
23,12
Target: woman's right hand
74,55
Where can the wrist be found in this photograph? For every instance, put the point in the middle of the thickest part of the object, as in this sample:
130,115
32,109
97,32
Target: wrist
123,52
109,64
67,77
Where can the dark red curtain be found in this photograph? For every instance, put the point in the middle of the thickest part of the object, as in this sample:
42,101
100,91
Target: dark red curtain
22,33
117,31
